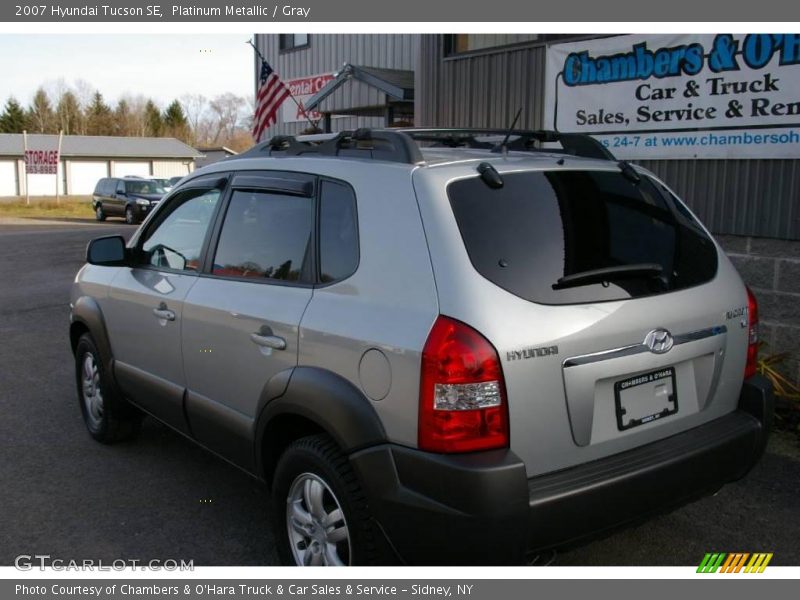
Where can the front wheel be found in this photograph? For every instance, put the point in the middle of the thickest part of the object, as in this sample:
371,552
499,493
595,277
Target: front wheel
320,512
107,416
130,219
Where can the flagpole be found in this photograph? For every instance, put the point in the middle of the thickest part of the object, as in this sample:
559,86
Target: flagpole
314,124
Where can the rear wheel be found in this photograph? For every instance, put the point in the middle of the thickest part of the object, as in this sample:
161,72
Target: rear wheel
320,512
107,416
99,213
130,219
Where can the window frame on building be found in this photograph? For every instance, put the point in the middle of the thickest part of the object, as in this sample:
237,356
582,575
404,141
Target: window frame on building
288,42
450,43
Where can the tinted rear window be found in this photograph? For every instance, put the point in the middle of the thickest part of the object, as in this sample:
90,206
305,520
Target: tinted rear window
100,188
338,232
543,226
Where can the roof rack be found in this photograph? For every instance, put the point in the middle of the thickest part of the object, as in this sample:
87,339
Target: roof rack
378,144
401,145
576,144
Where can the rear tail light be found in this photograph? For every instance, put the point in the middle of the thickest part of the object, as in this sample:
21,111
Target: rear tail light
752,336
463,405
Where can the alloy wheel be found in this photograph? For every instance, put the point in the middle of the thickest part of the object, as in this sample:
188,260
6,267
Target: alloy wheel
318,531
92,394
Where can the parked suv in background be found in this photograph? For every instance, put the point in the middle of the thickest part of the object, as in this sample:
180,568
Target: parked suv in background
132,198
466,352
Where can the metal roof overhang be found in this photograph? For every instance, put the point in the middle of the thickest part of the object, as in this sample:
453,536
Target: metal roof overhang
395,83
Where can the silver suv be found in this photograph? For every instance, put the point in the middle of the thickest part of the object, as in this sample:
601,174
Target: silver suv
433,346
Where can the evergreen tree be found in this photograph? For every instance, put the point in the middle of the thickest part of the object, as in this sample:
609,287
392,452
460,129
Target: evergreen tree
12,119
123,119
41,117
154,123
175,123
100,119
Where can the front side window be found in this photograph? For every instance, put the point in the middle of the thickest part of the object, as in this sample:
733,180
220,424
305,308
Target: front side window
175,238
266,236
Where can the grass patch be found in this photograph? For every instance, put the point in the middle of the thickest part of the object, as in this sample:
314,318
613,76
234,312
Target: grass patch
69,207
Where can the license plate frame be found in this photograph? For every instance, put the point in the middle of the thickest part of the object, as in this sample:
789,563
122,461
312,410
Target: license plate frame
625,388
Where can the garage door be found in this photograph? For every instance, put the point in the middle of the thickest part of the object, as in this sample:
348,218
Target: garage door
128,168
85,175
45,185
8,178
170,168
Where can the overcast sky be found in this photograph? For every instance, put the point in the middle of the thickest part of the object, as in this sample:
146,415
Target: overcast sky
160,66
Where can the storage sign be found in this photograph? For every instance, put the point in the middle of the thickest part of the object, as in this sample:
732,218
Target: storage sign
303,89
679,96
41,162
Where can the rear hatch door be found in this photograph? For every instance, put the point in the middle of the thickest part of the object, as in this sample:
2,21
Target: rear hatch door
617,320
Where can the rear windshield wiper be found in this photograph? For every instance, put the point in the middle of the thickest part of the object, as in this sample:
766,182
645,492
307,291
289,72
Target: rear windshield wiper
609,274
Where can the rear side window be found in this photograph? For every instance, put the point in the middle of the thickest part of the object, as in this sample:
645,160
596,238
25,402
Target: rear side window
338,232
544,236
266,236
100,188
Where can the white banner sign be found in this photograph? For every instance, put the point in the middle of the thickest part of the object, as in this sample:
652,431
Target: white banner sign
679,96
303,89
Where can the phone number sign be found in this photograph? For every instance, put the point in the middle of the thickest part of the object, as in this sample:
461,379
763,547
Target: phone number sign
41,162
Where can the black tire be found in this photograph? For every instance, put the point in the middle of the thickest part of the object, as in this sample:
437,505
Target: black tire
130,219
99,213
113,419
319,455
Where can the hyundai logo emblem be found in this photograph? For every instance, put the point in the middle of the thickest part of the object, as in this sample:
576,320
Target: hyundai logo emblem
659,341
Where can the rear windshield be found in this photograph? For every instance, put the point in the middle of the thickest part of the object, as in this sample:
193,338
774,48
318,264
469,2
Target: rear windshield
101,188
566,237
145,186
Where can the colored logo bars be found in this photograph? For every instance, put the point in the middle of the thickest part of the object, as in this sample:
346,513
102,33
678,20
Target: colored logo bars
735,562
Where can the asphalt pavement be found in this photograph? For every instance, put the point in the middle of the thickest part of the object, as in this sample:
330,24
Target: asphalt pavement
162,497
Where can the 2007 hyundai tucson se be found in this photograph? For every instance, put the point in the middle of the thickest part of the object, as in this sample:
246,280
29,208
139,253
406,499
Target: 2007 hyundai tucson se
434,346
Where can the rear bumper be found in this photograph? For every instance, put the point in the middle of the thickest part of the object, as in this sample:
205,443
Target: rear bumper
480,508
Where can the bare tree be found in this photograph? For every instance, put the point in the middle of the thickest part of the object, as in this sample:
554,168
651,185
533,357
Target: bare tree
227,110
68,113
136,104
84,91
41,117
194,106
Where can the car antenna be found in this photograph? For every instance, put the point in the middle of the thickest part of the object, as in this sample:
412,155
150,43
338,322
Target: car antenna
503,146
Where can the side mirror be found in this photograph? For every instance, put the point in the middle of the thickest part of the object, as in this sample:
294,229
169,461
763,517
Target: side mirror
107,251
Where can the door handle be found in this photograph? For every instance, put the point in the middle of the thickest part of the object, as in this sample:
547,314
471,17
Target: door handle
162,312
268,341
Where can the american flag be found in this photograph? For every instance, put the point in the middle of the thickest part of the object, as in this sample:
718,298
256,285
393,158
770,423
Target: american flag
271,94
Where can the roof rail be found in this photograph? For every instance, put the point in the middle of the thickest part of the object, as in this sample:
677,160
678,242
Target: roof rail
378,144
400,145
577,144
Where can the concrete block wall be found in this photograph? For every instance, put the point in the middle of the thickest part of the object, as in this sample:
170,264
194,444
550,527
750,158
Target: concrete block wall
772,270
